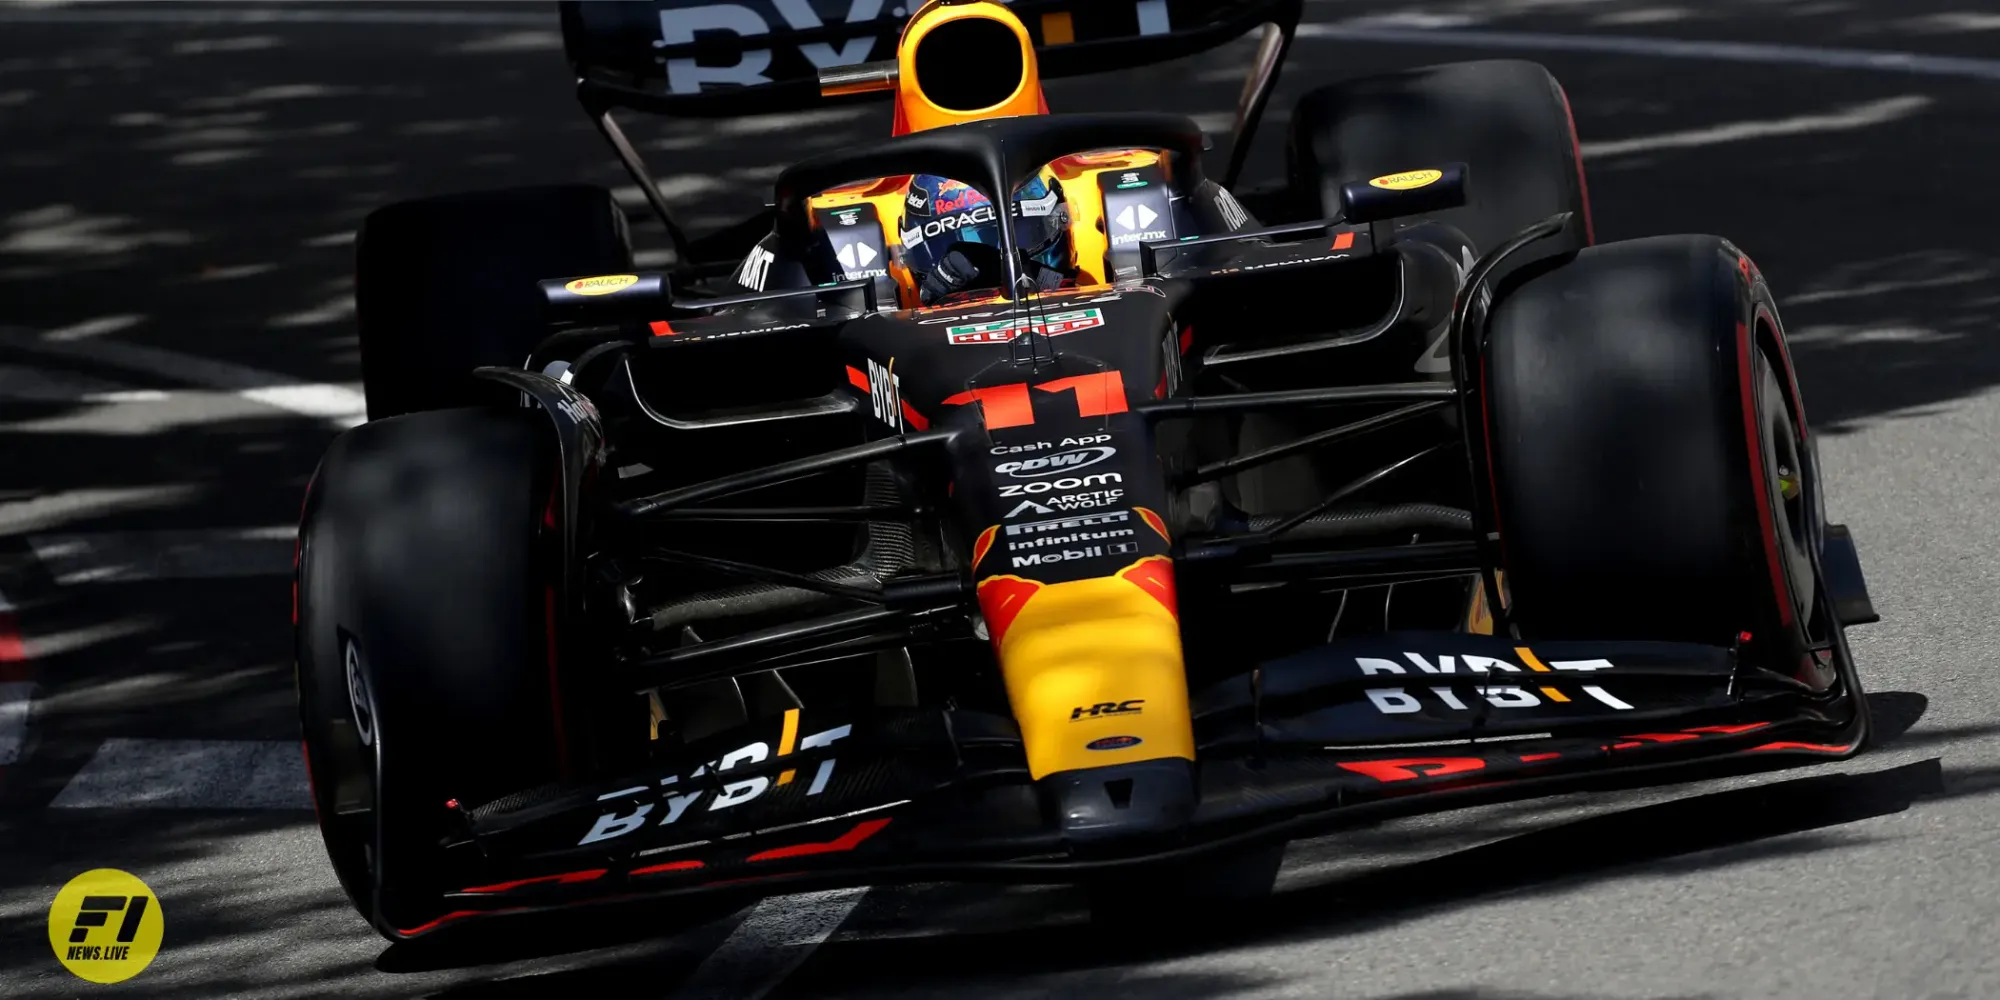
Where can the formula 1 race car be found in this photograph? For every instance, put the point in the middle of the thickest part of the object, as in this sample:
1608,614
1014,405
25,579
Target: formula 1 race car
1013,501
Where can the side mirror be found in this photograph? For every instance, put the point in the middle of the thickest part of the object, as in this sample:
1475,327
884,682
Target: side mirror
1408,192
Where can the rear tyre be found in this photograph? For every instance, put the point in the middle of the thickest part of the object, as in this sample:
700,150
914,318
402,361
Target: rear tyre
445,285
422,642
1509,120
1649,476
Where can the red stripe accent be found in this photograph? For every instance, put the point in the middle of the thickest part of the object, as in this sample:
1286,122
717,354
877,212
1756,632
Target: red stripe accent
567,878
671,866
1000,406
1816,747
1405,768
1343,241
913,418
1000,600
982,545
1098,394
662,328
847,842
1155,576
1767,524
1729,730
857,378
1625,746
455,915
1664,737
1533,757
1787,377
1187,338
12,649
1576,151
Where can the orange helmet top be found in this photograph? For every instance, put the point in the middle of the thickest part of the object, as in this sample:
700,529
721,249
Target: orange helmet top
965,60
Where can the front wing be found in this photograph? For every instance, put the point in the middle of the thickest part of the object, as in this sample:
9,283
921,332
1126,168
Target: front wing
1350,733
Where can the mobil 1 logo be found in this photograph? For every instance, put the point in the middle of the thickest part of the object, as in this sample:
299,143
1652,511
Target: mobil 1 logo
1070,539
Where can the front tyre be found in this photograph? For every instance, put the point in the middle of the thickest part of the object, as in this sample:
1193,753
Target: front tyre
1648,449
424,668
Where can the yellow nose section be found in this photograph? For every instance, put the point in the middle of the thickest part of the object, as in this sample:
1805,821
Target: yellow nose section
1093,667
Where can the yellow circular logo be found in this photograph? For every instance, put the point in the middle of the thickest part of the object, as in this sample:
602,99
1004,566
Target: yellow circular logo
105,926
1408,180
602,285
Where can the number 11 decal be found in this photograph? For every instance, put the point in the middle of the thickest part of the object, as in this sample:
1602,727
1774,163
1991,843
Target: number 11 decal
1097,394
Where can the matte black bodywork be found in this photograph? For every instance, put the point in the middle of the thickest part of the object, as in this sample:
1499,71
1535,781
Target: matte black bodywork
1289,742
804,488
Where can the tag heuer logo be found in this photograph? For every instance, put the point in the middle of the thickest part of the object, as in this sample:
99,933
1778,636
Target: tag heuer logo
1002,331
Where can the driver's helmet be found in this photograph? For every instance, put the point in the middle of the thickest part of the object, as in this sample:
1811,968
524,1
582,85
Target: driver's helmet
951,237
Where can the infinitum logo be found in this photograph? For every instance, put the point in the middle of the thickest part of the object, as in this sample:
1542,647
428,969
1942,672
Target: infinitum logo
106,925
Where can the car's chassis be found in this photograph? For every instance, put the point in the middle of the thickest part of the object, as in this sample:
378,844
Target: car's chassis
1354,730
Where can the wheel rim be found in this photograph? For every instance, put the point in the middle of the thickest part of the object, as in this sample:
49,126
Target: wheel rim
1791,493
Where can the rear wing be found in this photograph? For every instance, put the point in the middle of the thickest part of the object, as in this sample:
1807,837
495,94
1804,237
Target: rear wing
703,59
697,58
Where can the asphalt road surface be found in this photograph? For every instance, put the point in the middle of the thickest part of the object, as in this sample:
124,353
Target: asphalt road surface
177,198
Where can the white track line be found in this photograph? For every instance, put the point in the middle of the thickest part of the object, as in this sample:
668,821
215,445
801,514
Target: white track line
1858,116
1665,48
775,939
127,556
20,384
189,774
340,405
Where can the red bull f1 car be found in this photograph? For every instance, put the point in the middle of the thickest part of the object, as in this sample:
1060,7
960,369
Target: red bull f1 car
1013,500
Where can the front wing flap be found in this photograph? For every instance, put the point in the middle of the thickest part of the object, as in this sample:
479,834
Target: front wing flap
1292,748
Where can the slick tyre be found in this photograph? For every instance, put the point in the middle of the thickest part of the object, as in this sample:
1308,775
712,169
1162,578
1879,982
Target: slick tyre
1648,450
445,285
1508,120
422,644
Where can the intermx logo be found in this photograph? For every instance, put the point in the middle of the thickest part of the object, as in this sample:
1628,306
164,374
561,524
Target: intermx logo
1106,709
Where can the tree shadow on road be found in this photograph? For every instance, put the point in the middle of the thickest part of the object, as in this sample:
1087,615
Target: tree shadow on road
196,188
1699,834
